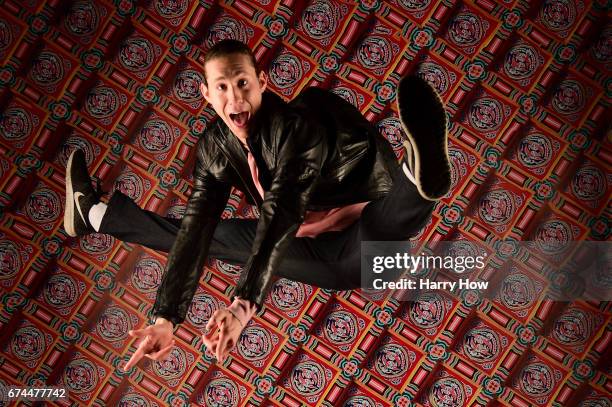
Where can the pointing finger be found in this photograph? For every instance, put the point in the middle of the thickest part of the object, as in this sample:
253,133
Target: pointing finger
140,351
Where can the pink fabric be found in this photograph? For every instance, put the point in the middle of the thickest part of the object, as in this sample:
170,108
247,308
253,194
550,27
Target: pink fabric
253,167
243,310
316,222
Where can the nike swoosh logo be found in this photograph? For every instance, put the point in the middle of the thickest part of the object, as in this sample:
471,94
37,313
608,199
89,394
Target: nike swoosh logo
77,195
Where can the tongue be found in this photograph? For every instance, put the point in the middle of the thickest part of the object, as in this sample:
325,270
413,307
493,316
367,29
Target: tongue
241,119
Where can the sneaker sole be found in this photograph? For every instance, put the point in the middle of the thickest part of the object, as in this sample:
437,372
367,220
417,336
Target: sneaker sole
69,210
423,114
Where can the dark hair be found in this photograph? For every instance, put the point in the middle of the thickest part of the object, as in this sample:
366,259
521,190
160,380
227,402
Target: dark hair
229,47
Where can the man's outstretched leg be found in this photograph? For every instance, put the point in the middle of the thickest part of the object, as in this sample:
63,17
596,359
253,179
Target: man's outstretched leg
120,218
424,174
424,122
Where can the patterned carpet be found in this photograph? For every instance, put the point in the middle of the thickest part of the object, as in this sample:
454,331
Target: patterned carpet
527,86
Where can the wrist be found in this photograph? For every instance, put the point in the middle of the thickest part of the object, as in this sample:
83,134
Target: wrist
242,310
163,321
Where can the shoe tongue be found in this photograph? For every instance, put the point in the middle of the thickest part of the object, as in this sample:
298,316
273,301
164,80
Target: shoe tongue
241,118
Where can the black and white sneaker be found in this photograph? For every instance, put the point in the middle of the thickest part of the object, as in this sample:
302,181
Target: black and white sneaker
80,196
423,120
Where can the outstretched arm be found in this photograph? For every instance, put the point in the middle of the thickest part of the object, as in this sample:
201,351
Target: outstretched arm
185,261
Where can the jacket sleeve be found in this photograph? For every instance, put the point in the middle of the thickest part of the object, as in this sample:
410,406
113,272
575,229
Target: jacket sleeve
190,249
300,152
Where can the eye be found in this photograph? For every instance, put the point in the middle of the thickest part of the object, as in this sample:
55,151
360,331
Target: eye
221,87
242,83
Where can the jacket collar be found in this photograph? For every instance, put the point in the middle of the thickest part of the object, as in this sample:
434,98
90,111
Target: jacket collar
271,105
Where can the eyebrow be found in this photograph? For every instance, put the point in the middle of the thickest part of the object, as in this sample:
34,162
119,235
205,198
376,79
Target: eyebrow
235,73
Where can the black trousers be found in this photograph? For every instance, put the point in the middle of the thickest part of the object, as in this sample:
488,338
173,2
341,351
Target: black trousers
331,260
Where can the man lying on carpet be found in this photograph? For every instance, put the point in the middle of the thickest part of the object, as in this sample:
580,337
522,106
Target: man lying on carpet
323,178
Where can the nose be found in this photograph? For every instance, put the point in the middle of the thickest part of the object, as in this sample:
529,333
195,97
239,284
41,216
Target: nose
235,95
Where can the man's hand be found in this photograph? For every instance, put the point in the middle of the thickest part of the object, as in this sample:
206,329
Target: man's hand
157,342
224,329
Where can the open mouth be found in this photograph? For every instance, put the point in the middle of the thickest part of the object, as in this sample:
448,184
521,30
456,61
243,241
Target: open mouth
239,119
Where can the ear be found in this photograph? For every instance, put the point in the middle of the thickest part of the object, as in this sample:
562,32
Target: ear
263,80
204,91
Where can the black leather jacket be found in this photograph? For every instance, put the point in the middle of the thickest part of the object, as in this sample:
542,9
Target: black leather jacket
316,152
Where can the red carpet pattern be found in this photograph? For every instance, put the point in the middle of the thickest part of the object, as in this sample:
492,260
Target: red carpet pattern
527,86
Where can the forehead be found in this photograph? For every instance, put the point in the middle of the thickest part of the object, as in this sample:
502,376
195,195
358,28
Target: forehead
228,66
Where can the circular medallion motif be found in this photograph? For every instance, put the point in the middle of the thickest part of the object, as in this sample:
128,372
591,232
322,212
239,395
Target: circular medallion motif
82,19
391,129
47,69
596,402
517,291
102,102
375,52
535,150
558,15
392,361
96,243
573,328
226,28
428,311
43,205
496,207
187,86
463,248
601,49
114,324
415,5
15,124
482,345
465,30
320,19
136,54
359,401
486,114
254,343
589,183
172,8
6,36
231,270
201,309
61,291
176,210
130,184
536,380
173,366
10,260
286,71
133,400
447,392
340,327
156,136
81,376
307,378
288,295
74,143
458,159
552,237
28,343
347,94
569,97
521,62
435,76
221,392
147,274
